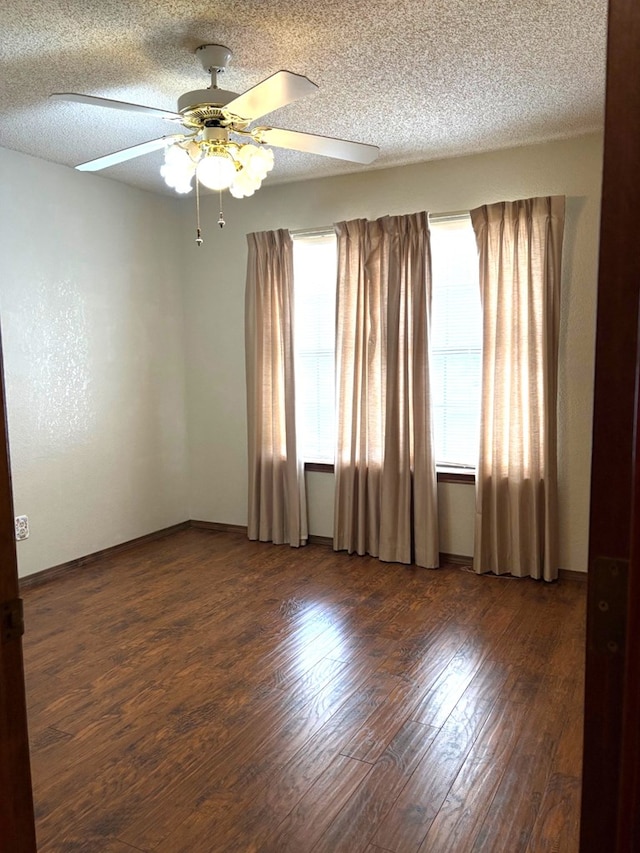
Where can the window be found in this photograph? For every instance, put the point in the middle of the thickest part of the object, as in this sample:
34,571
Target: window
314,275
456,342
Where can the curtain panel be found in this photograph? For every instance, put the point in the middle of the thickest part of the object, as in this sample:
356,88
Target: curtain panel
277,508
385,476
520,249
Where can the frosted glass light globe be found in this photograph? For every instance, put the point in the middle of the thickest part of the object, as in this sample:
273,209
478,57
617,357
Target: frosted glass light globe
244,185
178,169
216,171
256,160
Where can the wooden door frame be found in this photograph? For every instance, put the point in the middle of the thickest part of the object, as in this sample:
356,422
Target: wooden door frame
17,824
610,803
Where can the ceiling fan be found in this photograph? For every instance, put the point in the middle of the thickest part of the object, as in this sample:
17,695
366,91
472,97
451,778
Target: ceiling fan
218,146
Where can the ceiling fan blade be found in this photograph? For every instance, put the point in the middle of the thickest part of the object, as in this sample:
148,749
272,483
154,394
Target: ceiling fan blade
277,91
95,101
127,153
311,143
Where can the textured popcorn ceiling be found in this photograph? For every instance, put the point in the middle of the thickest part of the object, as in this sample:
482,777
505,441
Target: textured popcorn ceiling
422,79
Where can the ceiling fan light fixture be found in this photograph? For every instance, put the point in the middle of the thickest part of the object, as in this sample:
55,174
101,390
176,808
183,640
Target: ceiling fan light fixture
217,169
238,168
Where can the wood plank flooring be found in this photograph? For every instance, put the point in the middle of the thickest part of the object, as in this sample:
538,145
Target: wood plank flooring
203,693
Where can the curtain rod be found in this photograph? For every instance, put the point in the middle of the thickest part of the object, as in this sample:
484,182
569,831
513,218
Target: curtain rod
324,230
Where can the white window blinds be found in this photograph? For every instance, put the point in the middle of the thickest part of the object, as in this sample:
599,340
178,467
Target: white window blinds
314,274
456,341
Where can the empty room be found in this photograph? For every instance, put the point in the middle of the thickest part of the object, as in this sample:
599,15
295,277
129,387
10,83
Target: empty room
298,308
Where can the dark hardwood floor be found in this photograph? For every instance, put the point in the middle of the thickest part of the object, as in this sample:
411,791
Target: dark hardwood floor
205,693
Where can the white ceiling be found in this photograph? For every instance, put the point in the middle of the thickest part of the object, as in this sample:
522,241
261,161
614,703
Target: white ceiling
422,79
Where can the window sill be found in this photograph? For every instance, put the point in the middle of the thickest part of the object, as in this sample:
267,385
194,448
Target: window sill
323,467
456,475
445,475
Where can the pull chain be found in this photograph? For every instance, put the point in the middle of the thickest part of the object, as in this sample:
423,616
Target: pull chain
221,221
199,239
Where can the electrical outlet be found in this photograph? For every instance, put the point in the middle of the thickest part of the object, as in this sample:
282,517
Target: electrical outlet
22,527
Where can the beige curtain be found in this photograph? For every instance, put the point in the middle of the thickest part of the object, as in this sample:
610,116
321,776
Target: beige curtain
277,501
520,247
385,490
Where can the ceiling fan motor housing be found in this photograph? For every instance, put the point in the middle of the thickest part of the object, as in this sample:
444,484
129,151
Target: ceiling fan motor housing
204,98
202,105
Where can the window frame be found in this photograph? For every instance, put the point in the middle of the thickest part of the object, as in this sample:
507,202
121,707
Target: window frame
453,471
321,232
443,474
446,473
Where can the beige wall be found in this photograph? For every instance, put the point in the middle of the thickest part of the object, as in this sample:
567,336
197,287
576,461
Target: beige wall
214,293
92,325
